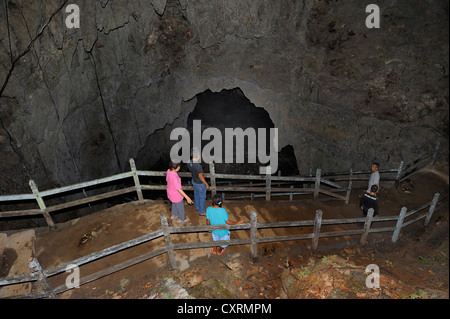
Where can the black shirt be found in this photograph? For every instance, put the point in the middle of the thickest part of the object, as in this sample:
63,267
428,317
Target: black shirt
195,169
369,201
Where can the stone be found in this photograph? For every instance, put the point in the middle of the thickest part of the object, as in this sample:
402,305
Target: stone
76,104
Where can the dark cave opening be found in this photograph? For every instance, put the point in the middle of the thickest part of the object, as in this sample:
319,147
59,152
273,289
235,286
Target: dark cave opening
231,109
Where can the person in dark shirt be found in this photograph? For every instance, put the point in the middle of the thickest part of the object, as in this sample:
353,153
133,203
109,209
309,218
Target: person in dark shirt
198,181
369,200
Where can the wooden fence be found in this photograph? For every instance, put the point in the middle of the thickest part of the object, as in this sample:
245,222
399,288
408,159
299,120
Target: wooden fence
268,186
41,276
321,186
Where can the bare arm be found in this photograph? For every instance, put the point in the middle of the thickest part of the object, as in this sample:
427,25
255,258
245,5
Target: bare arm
188,199
230,222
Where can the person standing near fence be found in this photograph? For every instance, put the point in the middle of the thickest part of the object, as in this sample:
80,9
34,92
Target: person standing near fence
216,215
374,177
175,193
369,201
198,181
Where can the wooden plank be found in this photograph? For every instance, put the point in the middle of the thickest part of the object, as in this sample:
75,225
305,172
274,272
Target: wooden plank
28,212
206,244
412,221
432,208
268,186
317,183
137,184
42,279
253,235
7,198
41,204
331,194
330,183
381,229
206,228
273,239
347,194
168,241
113,269
317,225
296,223
105,252
212,178
414,211
366,228
90,199
399,225
96,182
341,233
262,189
17,279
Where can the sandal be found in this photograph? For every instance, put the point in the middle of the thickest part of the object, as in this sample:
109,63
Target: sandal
173,217
221,252
204,214
183,221
213,250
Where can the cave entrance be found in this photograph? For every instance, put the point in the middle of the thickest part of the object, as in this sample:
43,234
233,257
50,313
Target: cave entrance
232,109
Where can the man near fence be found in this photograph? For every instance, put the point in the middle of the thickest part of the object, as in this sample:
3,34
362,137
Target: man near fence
374,177
198,181
368,201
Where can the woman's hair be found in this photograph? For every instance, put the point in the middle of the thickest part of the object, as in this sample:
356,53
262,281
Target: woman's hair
174,165
217,200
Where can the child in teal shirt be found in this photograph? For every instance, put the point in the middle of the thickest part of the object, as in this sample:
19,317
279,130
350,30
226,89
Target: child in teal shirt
216,215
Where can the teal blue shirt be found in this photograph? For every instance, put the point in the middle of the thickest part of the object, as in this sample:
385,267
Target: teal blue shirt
217,216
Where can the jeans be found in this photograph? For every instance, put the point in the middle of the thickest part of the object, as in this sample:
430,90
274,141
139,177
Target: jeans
199,196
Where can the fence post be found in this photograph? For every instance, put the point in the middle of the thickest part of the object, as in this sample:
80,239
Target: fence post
349,190
399,174
291,195
212,171
137,184
268,185
432,208
399,225
41,279
436,150
367,224
41,204
168,241
317,183
253,235
316,233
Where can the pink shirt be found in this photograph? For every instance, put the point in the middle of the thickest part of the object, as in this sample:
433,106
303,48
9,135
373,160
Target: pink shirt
173,185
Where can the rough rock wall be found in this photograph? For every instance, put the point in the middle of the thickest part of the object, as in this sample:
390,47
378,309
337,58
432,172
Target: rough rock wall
75,104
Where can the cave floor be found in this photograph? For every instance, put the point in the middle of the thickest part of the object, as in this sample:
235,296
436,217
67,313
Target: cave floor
415,267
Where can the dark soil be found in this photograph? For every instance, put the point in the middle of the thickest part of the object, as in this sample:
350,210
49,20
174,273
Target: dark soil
414,267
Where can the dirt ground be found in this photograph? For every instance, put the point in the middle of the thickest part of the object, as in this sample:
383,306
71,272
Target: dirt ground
414,267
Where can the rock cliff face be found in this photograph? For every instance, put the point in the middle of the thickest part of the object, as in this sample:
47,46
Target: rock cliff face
76,104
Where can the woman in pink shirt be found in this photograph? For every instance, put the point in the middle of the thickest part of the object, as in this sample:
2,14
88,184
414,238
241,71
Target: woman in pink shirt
175,193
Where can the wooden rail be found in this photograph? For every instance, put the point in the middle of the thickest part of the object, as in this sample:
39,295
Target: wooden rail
316,185
322,186
41,276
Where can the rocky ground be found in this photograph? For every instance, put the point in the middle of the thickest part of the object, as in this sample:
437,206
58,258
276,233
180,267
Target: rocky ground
414,267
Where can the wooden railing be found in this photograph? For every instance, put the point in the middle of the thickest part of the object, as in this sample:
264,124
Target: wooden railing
269,186
47,291
321,186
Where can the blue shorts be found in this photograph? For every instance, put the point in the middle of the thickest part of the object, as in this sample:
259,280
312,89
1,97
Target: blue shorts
217,238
